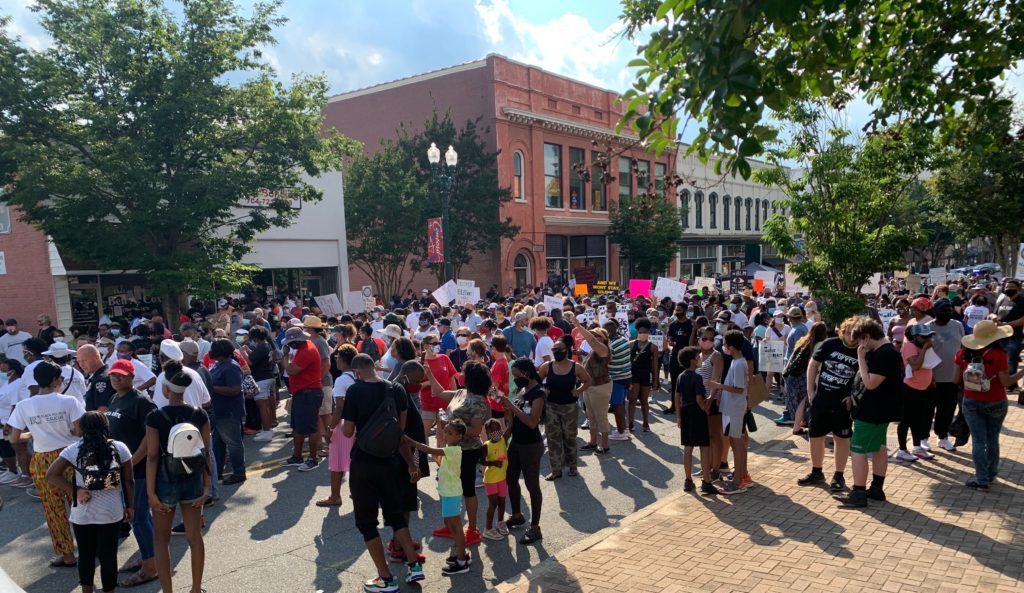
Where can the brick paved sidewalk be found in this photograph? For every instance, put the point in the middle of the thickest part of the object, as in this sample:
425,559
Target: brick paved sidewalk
932,535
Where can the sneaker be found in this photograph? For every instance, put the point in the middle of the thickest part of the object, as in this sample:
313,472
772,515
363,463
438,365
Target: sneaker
783,421
31,491
812,479
922,453
601,451
707,488
876,494
249,431
947,444
264,436
924,445
293,462
22,481
9,477
976,485
502,528
178,529
586,424
688,485
493,534
234,479
838,484
512,522
588,447
443,532
532,535
733,487
455,567
652,400
854,498
618,436
381,585
415,574
905,456
310,465
472,537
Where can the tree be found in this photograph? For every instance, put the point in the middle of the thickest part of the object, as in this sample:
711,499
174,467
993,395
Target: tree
726,63
384,202
475,221
845,205
980,193
136,137
648,230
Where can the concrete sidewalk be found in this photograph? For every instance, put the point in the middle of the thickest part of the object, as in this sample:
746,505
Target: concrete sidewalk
933,534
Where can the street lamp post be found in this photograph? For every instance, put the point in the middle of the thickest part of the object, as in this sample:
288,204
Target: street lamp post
442,179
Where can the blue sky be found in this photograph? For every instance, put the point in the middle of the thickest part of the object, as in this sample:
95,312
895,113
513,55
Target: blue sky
358,43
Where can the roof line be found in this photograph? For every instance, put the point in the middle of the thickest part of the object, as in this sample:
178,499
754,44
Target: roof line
408,80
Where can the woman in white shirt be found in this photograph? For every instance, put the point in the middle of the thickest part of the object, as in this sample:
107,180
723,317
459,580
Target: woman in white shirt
12,392
102,483
54,420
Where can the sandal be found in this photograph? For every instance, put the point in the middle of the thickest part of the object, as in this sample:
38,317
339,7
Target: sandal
139,578
553,476
647,428
573,472
532,535
59,562
327,502
588,447
134,567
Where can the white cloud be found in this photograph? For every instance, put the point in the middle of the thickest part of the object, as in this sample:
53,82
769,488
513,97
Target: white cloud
375,58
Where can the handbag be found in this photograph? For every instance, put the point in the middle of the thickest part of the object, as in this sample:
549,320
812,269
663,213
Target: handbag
249,387
749,422
959,430
757,391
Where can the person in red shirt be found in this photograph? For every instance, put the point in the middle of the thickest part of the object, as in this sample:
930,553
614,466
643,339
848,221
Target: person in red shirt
302,363
444,371
499,375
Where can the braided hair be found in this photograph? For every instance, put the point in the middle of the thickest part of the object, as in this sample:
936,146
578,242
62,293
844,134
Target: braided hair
95,448
525,366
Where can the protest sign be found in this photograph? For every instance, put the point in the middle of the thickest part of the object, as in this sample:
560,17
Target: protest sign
872,285
704,282
329,304
658,341
551,303
581,290
464,291
446,293
793,285
639,288
936,276
758,285
667,287
770,356
768,278
886,316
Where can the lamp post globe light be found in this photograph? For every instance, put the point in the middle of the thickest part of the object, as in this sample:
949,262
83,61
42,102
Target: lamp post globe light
442,179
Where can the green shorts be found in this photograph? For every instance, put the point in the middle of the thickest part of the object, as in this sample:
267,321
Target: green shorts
868,437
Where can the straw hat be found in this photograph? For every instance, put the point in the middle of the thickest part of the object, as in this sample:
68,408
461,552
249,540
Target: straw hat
312,322
986,332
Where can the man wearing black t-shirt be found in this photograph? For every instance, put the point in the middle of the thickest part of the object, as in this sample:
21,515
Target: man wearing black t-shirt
880,373
680,335
830,376
1011,312
373,481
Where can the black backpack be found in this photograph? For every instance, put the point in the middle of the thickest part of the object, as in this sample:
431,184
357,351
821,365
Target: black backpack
382,433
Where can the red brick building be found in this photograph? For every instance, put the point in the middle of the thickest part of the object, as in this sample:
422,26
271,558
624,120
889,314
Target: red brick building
542,124
31,281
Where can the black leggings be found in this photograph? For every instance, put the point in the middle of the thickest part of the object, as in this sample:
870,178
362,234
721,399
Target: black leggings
945,407
97,541
918,406
525,460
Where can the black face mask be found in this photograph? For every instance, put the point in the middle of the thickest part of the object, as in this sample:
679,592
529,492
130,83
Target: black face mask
943,316
521,382
560,354
1010,292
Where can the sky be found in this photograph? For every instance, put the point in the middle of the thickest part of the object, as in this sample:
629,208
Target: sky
359,43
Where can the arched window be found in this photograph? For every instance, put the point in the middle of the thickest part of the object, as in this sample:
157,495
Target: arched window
749,204
684,201
698,210
713,210
757,214
517,176
764,213
725,212
521,267
738,207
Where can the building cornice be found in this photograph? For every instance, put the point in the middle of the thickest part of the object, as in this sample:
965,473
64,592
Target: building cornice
576,221
558,124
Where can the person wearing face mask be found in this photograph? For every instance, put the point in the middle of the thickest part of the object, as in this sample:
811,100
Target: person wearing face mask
919,309
369,345
443,371
565,381
680,335
645,377
526,408
712,363
1010,312
424,327
945,343
12,341
520,339
14,456
460,355
736,309
977,311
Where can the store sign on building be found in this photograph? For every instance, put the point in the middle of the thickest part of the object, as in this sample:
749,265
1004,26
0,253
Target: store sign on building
265,198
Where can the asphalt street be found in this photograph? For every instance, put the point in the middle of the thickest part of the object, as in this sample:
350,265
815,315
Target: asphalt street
266,534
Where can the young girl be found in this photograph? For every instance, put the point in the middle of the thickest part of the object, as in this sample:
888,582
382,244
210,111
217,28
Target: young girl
692,403
339,455
496,467
449,488
103,469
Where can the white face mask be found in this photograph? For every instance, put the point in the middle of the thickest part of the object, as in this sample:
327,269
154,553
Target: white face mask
462,340
720,328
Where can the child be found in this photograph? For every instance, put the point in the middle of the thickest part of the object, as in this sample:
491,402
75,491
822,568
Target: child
339,453
496,466
692,402
733,404
449,487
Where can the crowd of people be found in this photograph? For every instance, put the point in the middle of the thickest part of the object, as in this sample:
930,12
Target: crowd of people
124,423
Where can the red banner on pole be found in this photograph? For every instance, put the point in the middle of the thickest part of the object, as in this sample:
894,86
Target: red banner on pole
435,241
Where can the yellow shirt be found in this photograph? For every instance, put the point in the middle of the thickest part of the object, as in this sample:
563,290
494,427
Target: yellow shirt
448,476
495,452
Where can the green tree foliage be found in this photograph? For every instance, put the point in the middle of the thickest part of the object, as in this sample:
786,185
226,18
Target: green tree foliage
725,63
845,203
647,230
980,193
136,136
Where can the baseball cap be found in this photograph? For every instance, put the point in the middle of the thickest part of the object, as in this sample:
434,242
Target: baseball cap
724,316
445,321
921,329
222,304
521,316
172,350
189,347
922,304
122,367
295,322
295,334
796,313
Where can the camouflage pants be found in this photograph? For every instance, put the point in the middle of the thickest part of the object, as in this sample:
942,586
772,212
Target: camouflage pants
561,423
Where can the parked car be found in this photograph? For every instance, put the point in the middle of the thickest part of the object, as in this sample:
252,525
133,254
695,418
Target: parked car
957,273
994,270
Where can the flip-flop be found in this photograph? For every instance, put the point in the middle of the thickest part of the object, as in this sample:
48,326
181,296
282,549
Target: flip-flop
328,503
59,562
139,578
136,567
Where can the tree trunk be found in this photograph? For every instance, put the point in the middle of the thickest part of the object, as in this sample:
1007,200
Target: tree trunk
172,311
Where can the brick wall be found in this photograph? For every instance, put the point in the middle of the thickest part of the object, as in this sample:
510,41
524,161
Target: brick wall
26,291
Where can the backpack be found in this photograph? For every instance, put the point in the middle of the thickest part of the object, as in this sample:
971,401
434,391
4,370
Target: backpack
185,455
975,377
370,348
249,387
382,433
105,478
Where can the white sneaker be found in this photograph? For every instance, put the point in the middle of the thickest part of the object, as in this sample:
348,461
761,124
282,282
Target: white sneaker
263,436
924,445
618,436
906,456
586,424
947,444
922,453
21,482
8,477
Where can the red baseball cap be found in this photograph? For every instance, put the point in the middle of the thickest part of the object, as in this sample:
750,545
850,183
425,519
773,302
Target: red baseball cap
122,367
922,304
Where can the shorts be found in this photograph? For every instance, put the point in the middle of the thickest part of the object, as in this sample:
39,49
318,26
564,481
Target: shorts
468,470
175,491
643,379
327,403
868,437
499,488
6,449
339,454
620,391
264,386
305,411
375,492
829,416
451,506
732,426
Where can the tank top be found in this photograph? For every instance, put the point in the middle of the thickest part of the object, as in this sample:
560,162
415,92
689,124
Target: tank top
641,361
560,386
597,367
705,370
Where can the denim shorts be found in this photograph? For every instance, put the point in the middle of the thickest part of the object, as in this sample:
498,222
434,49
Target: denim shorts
620,390
306,410
175,491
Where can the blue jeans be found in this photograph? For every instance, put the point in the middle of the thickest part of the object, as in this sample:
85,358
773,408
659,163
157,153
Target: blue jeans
985,420
142,522
214,471
227,435
1013,347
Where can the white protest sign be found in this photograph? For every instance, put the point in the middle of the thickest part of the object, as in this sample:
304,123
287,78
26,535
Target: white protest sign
551,303
873,283
936,275
887,315
474,296
367,291
369,303
586,317
793,285
704,282
446,293
353,302
658,341
767,277
770,356
726,286
667,287
329,304
464,291
1020,262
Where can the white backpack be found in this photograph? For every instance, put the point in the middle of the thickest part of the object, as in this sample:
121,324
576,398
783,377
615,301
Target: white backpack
185,455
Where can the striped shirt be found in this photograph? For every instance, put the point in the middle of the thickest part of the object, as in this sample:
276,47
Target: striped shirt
618,367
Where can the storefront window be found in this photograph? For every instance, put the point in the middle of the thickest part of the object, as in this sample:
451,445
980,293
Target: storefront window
5,219
625,181
552,175
597,183
579,255
577,191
